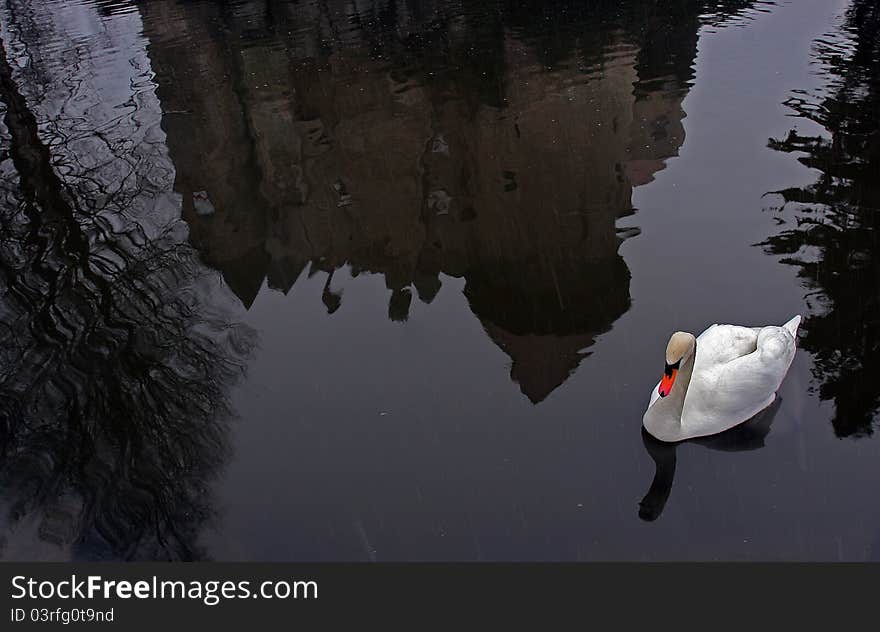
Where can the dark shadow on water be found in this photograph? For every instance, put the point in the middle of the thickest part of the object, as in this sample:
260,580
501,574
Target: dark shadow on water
747,436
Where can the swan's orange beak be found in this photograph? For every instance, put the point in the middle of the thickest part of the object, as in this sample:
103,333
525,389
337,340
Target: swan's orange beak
667,381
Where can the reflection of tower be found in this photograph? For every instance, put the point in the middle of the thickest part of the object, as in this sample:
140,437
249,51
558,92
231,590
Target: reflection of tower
530,195
205,110
407,169
523,201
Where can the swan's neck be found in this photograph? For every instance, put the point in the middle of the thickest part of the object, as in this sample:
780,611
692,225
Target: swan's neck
684,375
663,418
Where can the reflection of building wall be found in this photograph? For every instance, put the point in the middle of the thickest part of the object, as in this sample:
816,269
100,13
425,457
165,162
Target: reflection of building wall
344,159
361,166
541,176
656,134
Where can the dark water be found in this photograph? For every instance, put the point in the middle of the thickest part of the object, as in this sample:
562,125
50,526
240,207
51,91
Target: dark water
392,280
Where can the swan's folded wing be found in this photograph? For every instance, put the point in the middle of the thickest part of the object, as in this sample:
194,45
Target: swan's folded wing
743,386
723,343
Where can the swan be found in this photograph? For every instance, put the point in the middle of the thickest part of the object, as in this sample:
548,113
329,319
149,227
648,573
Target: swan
718,380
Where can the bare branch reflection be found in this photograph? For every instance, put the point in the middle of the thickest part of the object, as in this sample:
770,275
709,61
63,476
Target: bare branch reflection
116,357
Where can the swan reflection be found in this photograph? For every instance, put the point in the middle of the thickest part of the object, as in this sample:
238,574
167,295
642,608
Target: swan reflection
749,435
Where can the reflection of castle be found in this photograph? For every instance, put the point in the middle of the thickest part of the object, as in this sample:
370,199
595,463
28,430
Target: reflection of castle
505,171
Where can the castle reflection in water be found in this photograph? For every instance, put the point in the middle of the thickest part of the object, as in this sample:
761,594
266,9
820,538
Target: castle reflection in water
415,141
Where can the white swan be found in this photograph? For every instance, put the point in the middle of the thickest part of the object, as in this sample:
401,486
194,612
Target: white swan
719,380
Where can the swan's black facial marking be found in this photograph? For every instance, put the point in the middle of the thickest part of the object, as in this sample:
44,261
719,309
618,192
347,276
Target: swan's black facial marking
671,367
668,380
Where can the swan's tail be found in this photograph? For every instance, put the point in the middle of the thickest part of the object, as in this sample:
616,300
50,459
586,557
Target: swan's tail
792,326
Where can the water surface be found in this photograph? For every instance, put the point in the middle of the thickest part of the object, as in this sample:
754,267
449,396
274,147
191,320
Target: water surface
393,280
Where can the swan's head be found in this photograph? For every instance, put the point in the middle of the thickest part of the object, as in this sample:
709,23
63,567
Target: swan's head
681,346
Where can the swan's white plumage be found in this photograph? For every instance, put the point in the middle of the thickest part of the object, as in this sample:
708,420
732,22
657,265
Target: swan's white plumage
734,374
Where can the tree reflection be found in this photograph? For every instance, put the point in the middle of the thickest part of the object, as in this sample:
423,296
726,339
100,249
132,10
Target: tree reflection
114,366
834,240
